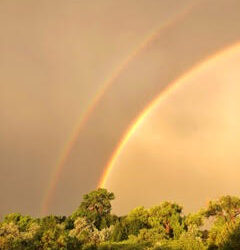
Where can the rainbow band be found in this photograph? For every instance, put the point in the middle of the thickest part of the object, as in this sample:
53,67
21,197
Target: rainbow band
163,95
91,107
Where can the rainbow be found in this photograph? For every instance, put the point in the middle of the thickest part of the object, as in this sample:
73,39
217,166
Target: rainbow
64,155
163,95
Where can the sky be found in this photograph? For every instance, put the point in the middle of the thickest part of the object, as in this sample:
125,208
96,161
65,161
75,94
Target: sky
187,147
55,58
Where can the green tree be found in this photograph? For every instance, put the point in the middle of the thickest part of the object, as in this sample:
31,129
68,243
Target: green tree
84,231
137,219
21,221
53,234
96,207
12,237
169,217
120,230
131,224
225,215
233,240
226,207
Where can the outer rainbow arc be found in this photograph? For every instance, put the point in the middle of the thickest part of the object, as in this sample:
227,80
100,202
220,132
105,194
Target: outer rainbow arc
100,93
163,95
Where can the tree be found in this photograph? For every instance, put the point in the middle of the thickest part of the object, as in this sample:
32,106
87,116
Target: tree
226,207
225,214
93,227
131,224
53,234
168,216
12,237
136,220
21,221
84,231
120,230
96,207
233,240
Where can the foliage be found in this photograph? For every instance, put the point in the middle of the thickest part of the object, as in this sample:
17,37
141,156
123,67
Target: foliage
131,224
225,214
168,217
126,245
92,227
96,207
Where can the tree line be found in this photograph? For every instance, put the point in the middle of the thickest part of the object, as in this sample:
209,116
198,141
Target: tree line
93,226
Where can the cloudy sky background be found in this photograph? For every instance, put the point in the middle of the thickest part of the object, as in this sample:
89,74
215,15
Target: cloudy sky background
56,55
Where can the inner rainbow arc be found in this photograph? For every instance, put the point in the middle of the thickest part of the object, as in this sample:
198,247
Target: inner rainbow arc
163,95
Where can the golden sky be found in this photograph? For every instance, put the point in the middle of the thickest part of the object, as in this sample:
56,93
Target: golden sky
187,148
56,55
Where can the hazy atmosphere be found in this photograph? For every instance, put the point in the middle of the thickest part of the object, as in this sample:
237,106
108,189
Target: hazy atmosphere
75,76
188,145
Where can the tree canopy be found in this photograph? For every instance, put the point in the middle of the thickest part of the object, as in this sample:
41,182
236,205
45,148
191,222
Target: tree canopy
93,226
